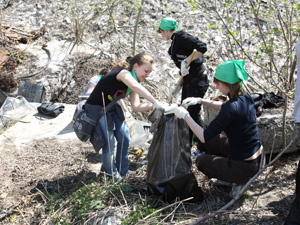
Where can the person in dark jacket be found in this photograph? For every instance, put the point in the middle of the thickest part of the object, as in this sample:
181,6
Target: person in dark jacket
195,83
237,155
120,82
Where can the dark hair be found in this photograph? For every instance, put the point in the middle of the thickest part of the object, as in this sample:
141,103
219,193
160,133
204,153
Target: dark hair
128,59
161,30
140,59
234,89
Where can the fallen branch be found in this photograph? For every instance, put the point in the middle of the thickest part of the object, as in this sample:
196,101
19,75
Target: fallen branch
246,186
168,206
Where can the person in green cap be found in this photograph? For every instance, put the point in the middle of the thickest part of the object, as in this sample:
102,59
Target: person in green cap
234,152
195,83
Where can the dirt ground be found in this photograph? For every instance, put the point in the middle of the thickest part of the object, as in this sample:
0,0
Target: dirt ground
50,161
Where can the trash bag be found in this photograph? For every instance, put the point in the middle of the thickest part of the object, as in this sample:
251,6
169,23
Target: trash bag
169,172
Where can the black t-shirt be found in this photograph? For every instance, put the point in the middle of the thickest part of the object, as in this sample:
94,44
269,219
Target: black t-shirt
109,86
182,46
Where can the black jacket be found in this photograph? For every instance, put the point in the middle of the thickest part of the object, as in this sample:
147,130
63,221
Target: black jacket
182,46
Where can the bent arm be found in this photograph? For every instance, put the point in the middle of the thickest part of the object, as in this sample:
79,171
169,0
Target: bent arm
194,56
212,104
136,104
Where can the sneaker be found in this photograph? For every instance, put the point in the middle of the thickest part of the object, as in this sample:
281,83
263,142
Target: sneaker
235,190
218,182
197,153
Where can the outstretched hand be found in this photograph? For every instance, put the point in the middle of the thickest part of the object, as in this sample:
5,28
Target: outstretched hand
191,101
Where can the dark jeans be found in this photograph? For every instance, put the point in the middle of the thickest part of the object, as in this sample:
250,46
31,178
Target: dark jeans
195,87
216,164
294,214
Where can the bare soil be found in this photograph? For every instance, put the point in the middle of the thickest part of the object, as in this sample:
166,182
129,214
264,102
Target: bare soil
48,164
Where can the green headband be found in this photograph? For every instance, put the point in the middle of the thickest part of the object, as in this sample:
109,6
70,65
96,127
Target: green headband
168,23
231,71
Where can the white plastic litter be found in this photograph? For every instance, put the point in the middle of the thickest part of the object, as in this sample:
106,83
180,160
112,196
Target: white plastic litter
15,109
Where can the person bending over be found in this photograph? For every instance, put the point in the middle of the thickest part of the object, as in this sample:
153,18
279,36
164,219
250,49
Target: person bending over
118,82
195,82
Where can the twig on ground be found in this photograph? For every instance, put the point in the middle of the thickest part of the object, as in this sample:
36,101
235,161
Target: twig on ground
168,206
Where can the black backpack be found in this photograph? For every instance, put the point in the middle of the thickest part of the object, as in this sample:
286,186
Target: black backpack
49,109
266,101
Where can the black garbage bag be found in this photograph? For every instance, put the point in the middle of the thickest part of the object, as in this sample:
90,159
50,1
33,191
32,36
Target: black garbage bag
169,172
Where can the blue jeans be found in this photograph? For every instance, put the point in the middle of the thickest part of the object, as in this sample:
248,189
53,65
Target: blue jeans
120,131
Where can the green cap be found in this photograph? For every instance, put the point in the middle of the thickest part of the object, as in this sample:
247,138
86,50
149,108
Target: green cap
231,71
168,23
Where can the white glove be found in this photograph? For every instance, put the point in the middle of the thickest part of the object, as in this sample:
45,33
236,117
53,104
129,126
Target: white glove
179,111
173,94
159,105
191,101
183,69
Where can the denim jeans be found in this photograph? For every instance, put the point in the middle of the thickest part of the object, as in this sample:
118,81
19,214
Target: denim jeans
120,132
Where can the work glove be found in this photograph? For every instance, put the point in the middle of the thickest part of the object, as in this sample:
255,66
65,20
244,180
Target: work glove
191,101
174,93
159,105
183,68
179,111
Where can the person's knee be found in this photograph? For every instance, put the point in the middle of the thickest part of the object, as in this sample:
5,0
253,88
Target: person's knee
200,162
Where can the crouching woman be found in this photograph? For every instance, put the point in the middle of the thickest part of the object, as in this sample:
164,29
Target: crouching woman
234,152
119,82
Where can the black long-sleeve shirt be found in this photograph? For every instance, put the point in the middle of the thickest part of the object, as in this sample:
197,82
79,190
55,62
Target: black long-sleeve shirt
182,46
237,118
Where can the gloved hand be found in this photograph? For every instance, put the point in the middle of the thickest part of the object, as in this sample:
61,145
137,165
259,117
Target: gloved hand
191,101
173,92
179,111
159,105
183,68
